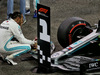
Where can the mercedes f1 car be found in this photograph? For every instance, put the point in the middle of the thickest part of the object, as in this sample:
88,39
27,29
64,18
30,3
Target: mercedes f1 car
78,38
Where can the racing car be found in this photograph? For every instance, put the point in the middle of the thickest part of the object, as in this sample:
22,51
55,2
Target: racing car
80,42
78,38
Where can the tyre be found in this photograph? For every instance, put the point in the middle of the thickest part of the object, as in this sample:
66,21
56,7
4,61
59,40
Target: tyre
72,30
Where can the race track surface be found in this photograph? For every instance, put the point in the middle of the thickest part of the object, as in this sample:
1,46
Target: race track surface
60,10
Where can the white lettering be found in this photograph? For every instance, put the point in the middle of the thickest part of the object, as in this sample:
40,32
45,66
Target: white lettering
91,65
43,35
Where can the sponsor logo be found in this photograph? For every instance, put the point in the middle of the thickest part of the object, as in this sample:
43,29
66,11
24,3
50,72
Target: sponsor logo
43,10
2,27
42,14
70,38
92,65
78,42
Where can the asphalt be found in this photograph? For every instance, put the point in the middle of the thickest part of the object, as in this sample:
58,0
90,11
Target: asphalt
60,10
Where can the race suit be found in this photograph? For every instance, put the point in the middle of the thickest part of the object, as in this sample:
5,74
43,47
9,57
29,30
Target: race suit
9,30
35,4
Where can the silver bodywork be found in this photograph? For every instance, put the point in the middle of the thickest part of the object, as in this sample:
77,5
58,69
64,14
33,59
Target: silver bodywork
74,47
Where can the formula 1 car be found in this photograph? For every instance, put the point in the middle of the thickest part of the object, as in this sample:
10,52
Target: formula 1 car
78,38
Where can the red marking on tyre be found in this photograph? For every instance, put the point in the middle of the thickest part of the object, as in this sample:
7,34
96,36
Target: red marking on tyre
70,35
77,26
70,39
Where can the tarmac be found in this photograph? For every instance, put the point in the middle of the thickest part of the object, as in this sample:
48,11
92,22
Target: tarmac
60,11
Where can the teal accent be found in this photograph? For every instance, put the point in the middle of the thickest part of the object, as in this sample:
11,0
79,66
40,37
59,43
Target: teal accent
7,43
96,39
27,48
77,42
18,27
25,51
15,48
82,46
37,1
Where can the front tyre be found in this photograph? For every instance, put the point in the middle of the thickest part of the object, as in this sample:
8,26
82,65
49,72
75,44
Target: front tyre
72,30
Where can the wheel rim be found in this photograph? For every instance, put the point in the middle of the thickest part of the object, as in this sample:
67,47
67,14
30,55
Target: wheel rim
78,33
